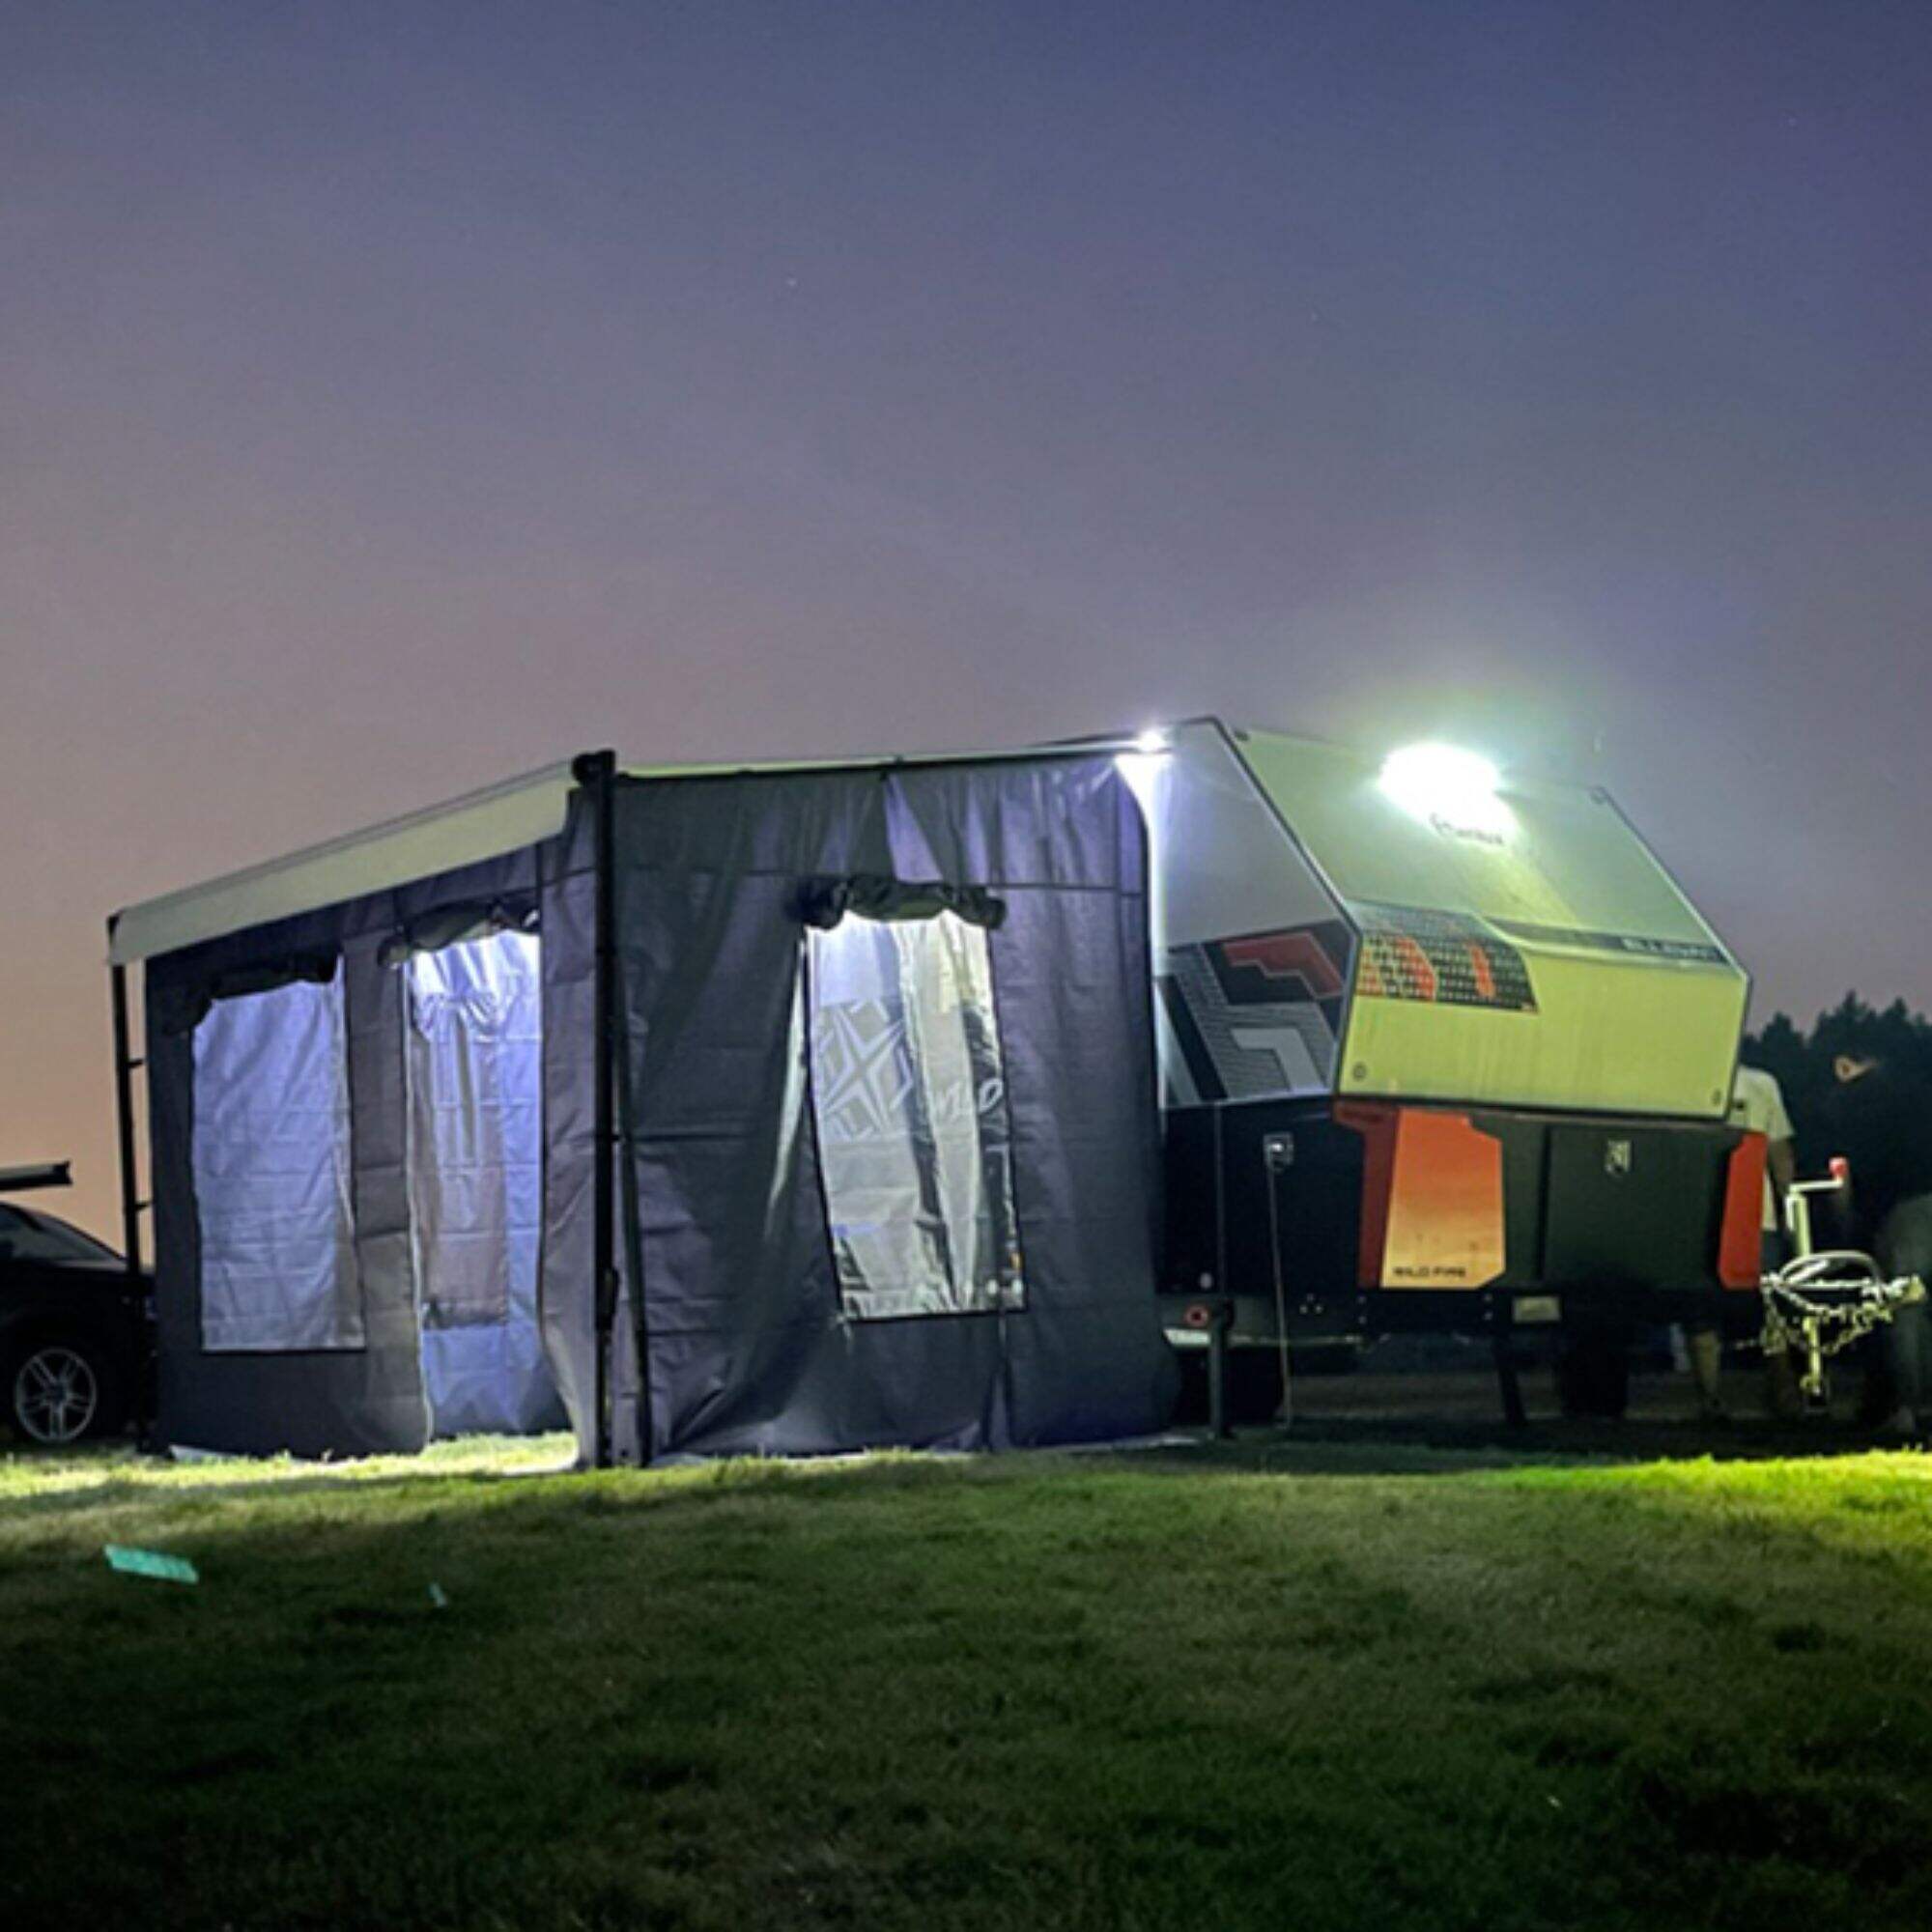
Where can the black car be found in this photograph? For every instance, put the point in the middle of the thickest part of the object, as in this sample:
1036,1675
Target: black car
73,1329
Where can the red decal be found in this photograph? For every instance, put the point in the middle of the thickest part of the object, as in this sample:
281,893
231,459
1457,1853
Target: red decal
1288,955
1739,1257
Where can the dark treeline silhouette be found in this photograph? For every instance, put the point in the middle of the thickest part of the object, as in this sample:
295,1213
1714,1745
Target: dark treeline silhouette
1803,1061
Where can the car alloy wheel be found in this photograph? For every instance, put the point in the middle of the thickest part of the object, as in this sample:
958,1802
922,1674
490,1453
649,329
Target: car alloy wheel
56,1394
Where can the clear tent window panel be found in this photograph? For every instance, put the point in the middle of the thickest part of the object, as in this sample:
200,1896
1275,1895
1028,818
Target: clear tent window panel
475,1061
271,1172
910,1105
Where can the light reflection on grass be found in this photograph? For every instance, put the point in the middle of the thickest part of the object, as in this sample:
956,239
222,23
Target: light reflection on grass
1173,1689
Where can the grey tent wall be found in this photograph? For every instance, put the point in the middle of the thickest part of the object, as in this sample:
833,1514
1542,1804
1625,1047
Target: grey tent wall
568,1265
730,1250
1063,845
360,1401
723,1240
749,1349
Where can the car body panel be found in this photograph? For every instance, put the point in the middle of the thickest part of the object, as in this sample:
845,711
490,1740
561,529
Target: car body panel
84,1294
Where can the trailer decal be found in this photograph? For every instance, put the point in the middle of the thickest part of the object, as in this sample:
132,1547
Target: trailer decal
1256,1014
1432,1212
1310,962
1445,1214
1629,945
1739,1243
1441,958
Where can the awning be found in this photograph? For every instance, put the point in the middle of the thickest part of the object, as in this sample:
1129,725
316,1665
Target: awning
501,818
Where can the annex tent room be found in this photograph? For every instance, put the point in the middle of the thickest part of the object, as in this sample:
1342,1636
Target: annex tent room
870,1052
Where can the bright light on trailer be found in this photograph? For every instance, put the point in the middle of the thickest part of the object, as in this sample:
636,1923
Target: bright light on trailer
1447,787
1148,770
1144,766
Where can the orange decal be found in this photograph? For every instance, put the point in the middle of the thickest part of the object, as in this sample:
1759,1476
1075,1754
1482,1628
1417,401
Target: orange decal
1738,1256
1416,970
1479,971
1445,1210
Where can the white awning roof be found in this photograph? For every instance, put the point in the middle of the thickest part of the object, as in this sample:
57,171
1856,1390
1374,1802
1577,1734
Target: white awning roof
500,819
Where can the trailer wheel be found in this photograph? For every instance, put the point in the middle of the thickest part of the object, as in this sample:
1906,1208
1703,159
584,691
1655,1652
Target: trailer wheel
1593,1373
1192,1404
1254,1385
1326,1358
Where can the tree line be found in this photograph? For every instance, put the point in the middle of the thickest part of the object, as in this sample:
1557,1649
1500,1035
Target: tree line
1801,1062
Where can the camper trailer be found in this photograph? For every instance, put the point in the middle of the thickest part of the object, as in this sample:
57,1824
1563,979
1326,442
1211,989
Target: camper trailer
921,1101
1437,1051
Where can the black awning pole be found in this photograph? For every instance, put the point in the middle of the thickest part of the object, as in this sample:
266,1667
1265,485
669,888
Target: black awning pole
596,773
131,1203
124,1064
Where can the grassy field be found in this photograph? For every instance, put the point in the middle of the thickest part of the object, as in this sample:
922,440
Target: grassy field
1287,1687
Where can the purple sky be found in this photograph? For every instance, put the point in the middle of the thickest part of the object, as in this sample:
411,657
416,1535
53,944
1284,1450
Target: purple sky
397,397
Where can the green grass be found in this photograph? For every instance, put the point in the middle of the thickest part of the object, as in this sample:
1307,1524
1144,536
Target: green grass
1293,1688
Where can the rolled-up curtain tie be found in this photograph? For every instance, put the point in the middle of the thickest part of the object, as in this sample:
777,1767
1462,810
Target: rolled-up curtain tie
824,902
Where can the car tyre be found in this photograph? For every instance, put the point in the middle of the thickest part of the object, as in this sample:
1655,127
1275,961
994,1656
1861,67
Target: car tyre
62,1389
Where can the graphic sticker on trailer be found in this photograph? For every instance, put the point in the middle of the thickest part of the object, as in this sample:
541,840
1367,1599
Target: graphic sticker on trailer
1432,1212
1443,958
1631,945
1257,1013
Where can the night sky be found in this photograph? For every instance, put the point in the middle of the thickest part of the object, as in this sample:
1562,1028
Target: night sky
398,396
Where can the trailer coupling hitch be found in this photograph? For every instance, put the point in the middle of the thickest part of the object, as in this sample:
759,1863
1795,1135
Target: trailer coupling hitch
1799,1320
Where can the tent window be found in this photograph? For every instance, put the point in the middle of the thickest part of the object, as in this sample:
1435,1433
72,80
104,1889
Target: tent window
909,1099
475,1128
271,1168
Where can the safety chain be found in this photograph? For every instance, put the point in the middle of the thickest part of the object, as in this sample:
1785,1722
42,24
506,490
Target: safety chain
1794,1321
